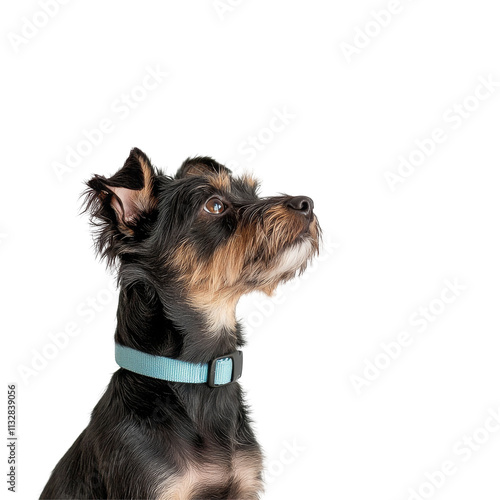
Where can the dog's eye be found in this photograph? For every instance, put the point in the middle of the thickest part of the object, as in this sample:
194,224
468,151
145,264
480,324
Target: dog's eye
214,206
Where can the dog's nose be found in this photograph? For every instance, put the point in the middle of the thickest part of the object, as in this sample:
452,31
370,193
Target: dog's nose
302,204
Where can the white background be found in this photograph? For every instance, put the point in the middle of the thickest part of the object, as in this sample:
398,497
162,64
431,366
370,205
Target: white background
387,252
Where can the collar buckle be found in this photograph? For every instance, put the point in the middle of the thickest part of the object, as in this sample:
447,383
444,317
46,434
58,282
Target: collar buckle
237,359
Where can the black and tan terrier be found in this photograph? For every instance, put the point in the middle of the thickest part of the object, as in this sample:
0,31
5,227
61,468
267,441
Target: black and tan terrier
172,423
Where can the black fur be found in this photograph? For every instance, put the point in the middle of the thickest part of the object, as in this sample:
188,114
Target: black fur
145,434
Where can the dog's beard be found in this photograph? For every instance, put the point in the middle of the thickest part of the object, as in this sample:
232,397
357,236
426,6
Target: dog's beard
292,259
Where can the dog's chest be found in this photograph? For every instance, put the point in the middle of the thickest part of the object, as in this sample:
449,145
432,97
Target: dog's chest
241,479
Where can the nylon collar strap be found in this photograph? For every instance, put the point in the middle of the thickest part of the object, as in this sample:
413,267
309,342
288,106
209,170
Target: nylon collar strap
218,372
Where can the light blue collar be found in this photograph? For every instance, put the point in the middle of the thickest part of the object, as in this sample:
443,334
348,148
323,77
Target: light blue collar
218,372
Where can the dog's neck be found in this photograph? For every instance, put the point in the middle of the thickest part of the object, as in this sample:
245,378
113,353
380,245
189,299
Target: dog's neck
144,326
153,325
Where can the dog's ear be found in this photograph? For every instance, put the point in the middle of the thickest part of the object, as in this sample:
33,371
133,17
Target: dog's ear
122,204
201,166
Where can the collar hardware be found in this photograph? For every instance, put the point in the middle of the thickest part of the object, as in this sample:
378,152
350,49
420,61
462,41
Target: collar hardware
237,368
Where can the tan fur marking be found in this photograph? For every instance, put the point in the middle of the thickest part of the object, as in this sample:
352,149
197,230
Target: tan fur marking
212,286
247,476
144,199
183,486
219,309
281,226
250,180
221,181
243,474
141,200
196,170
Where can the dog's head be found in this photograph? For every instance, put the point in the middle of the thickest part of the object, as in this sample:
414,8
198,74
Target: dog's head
203,237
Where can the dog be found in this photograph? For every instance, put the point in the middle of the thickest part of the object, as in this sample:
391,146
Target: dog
173,423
